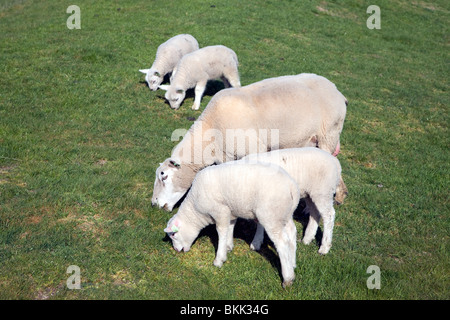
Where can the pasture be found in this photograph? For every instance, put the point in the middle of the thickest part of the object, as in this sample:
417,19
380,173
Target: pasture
81,136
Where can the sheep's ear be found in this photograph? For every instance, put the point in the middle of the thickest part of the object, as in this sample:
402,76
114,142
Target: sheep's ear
144,70
164,87
173,227
173,164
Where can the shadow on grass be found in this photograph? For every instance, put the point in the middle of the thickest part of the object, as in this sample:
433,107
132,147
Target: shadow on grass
212,87
246,229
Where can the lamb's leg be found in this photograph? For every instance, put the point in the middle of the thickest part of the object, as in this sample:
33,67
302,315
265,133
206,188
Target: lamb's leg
291,232
325,207
221,255
233,78
284,252
230,244
313,223
258,238
199,90
281,237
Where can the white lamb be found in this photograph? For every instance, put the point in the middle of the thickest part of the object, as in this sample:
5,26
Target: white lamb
167,56
221,194
317,174
196,68
293,111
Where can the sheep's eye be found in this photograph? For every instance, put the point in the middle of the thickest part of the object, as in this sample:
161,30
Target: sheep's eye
162,172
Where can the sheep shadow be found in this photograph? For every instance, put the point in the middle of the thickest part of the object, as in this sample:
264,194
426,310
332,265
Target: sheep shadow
212,87
246,229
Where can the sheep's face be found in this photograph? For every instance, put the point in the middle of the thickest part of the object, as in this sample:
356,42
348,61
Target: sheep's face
175,97
166,192
181,234
153,78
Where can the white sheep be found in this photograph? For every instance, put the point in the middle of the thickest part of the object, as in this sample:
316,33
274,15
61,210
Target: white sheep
221,194
167,56
278,113
196,68
317,174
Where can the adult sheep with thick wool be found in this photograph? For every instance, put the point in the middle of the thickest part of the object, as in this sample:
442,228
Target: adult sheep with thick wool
277,113
317,174
167,57
196,68
221,194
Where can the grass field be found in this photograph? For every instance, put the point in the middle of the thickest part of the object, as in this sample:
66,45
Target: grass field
81,136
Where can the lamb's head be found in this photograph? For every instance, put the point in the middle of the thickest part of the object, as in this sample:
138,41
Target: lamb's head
153,78
181,233
174,95
169,185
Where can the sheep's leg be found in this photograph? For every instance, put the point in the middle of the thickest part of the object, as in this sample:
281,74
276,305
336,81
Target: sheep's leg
313,223
281,241
199,90
230,244
325,207
234,81
284,240
221,255
291,232
258,238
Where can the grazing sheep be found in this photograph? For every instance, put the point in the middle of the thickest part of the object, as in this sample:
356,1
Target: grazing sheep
278,113
317,174
196,68
221,194
167,57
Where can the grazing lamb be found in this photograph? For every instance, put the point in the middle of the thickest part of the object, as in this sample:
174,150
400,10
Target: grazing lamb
221,194
196,68
167,57
317,174
278,113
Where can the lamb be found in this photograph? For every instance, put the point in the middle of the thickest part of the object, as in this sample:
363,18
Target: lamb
221,194
167,56
278,113
196,68
317,174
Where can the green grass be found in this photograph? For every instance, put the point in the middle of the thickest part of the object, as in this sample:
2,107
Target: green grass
81,136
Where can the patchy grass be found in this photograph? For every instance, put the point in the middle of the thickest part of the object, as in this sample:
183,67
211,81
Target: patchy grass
81,136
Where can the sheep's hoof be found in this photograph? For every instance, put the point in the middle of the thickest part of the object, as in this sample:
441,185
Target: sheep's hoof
194,107
323,250
287,283
306,241
218,263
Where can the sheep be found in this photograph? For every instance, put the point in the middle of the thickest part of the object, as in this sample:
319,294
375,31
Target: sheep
304,110
196,68
317,174
167,57
220,194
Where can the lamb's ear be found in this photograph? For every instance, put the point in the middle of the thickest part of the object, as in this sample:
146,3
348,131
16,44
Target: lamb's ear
173,164
144,70
164,87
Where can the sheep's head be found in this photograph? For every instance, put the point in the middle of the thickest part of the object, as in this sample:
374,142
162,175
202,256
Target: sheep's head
174,95
168,188
153,78
181,234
